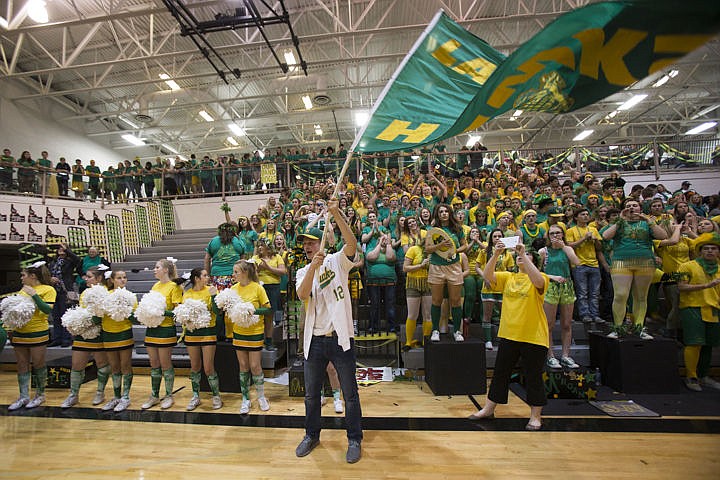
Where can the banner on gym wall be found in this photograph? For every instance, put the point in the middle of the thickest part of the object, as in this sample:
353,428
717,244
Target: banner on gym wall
453,82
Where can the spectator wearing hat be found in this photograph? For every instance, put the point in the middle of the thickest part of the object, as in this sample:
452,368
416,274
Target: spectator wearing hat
529,229
585,241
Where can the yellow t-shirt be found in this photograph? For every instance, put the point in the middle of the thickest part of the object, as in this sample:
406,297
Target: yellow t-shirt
706,299
673,255
416,257
264,275
586,250
204,296
522,318
39,320
173,294
254,293
504,264
406,239
112,326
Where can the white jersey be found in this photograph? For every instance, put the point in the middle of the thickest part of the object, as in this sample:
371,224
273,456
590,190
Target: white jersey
329,307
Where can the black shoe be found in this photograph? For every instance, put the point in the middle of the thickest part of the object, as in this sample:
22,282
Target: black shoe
406,348
306,446
54,343
353,452
66,344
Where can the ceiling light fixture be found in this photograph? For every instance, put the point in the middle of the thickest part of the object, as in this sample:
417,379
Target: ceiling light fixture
169,81
705,111
206,116
169,148
37,11
232,141
308,103
632,102
361,118
133,140
472,140
128,122
318,130
701,128
582,135
236,129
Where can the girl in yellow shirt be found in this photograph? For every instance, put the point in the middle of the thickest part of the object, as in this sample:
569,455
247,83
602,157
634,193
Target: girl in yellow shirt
118,343
270,267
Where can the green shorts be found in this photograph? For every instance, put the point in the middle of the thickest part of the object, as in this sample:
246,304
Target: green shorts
696,331
560,293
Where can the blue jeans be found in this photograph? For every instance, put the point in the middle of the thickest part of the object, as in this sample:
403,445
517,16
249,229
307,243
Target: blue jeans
587,289
382,294
322,351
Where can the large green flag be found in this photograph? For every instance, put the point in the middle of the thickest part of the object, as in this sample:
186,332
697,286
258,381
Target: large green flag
583,56
435,82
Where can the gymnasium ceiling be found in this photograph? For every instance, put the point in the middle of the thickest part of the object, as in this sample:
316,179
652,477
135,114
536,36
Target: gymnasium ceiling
102,60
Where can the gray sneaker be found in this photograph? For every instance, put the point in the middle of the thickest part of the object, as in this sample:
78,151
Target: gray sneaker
353,452
693,384
19,403
306,446
71,400
36,402
710,383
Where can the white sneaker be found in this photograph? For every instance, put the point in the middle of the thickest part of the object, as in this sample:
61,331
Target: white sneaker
553,362
19,403
98,398
338,405
217,402
489,345
151,402
167,402
36,402
435,336
264,404
323,400
459,337
122,405
245,407
71,400
710,383
193,404
110,405
613,335
644,335
569,362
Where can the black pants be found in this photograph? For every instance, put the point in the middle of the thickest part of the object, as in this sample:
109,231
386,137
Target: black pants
532,359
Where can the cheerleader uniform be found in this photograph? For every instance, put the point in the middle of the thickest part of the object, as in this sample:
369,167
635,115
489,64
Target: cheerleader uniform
201,337
35,333
118,335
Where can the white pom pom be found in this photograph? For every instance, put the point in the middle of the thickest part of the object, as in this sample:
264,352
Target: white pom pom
119,304
151,309
94,299
192,314
226,299
79,321
242,314
17,310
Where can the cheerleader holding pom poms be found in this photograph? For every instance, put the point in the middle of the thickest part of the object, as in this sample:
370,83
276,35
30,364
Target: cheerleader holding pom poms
84,323
26,316
198,314
117,337
156,312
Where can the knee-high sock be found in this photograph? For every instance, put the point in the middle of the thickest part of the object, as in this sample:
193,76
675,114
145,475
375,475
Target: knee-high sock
117,384
195,382
703,368
427,328
169,376
435,315
127,383
76,379
24,384
692,357
487,331
103,374
259,381
214,382
409,330
245,385
336,394
155,379
40,375
457,318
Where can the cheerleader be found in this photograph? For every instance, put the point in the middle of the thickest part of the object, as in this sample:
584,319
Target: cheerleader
160,340
248,341
83,347
118,343
30,341
201,343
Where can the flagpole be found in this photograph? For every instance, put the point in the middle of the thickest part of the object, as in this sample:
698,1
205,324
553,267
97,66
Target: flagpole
335,193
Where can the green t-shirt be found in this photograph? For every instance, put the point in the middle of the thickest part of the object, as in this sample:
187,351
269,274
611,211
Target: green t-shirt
6,163
380,271
436,259
94,169
633,240
224,256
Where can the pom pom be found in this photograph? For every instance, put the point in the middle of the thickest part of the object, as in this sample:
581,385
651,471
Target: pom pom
242,314
17,310
226,299
192,314
151,309
119,304
79,321
94,299
225,207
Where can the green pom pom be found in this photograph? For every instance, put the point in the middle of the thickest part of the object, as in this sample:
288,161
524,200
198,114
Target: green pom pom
225,207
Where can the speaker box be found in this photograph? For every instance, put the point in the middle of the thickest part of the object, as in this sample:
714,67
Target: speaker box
453,368
631,365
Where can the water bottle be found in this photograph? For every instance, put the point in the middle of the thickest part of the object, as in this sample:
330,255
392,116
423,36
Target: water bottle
597,376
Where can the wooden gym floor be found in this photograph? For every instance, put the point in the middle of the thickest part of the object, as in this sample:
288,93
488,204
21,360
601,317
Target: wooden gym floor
409,433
